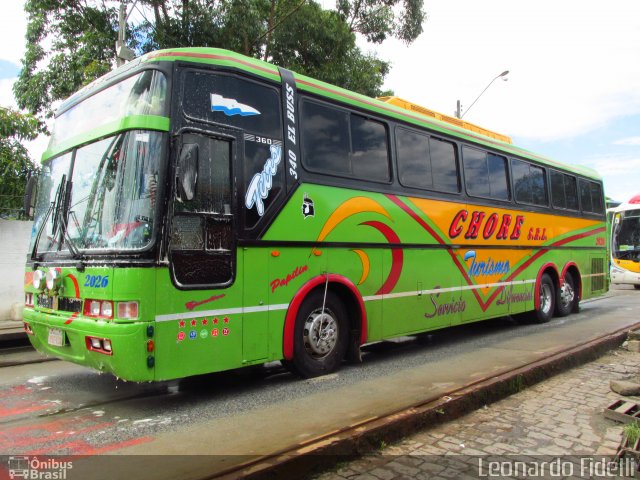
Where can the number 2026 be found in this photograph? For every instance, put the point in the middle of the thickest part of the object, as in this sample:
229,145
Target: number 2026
96,281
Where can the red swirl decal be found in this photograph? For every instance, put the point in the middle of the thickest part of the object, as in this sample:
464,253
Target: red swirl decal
397,256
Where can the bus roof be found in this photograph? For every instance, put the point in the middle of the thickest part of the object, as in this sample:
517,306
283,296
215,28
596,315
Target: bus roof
623,207
229,59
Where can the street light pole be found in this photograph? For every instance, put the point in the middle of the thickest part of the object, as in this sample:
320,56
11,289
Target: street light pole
459,113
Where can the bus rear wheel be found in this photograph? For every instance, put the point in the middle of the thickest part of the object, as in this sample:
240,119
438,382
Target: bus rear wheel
566,296
320,335
637,287
546,300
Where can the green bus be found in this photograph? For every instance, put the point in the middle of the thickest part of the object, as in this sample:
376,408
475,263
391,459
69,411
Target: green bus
199,211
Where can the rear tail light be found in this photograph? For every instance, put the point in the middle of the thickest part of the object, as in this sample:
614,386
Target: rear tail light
28,299
98,308
100,345
128,310
27,328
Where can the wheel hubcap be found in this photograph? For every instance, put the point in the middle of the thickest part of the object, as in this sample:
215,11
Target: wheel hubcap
320,333
545,298
566,294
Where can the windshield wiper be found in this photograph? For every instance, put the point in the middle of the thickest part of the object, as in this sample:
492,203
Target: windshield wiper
53,207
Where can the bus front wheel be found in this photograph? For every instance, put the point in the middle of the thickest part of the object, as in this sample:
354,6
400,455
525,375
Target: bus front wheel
546,300
566,296
320,335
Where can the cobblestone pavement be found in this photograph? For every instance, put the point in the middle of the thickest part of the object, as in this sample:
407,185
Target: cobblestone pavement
562,416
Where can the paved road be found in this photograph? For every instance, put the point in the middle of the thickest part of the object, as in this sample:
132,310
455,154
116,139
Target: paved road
60,408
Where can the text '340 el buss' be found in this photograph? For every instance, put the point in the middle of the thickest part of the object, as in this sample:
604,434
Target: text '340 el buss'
198,211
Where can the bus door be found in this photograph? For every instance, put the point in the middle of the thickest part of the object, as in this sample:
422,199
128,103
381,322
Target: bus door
202,248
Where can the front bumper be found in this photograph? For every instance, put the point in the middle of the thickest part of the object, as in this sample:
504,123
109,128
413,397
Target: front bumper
128,359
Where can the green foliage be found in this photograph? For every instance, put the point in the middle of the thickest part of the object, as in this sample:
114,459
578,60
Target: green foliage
68,44
81,48
632,432
15,163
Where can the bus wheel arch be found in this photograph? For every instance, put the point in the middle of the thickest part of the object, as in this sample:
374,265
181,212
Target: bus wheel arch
547,283
569,290
340,290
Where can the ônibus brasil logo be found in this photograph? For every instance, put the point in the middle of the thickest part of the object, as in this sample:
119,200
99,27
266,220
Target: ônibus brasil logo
35,468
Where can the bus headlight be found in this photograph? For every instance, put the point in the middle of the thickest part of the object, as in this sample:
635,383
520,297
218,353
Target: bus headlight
53,279
38,280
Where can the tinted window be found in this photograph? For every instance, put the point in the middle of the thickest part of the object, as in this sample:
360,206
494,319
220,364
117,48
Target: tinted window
340,143
370,155
485,174
234,101
414,167
557,190
498,183
571,192
591,197
444,165
529,183
425,162
325,145
564,192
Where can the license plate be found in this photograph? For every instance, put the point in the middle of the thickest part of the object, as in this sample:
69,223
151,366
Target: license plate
56,337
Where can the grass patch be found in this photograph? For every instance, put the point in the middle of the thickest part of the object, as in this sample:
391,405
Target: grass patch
632,432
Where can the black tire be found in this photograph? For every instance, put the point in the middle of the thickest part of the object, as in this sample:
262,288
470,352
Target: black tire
566,296
637,287
547,300
314,356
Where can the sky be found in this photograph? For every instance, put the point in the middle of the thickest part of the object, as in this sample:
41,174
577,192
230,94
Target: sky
572,92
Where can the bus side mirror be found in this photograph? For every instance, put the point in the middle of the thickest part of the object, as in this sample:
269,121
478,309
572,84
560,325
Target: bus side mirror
187,175
30,196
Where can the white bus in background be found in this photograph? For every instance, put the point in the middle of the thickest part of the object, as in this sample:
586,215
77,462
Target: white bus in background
625,243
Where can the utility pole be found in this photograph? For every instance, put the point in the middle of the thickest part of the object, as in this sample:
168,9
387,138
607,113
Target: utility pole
123,54
458,113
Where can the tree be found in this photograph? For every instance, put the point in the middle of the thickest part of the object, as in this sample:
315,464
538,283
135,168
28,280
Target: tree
15,162
295,34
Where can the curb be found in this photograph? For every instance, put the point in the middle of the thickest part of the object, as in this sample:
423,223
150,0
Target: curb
11,331
321,453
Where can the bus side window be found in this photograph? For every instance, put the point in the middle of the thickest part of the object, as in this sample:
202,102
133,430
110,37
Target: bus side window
529,183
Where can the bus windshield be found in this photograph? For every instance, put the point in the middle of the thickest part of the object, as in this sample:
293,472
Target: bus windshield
101,195
626,236
109,199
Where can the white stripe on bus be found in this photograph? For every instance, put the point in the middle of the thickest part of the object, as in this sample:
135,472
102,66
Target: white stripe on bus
284,306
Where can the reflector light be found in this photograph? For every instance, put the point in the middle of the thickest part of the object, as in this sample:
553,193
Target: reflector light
150,346
94,308
98,308
100,345
128,310
106,309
